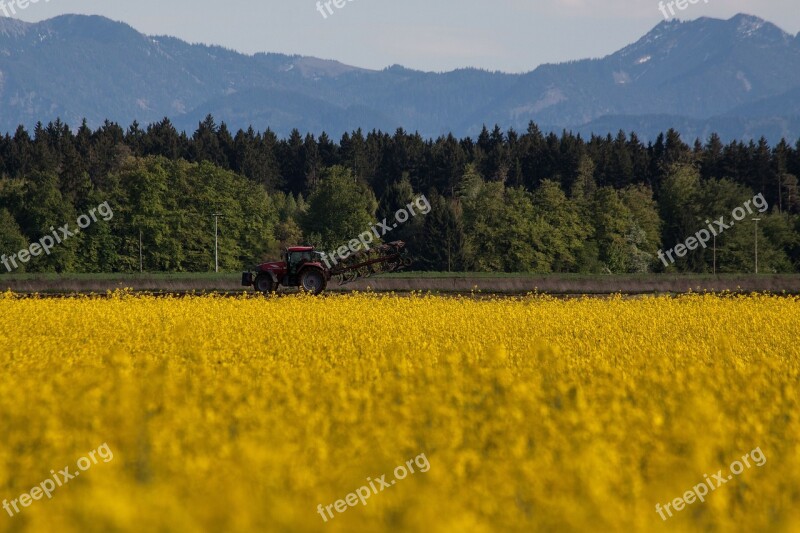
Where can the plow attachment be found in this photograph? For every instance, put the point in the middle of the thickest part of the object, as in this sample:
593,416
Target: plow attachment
386,258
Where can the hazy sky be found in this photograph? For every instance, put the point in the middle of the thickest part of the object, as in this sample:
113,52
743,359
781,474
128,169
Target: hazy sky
508,35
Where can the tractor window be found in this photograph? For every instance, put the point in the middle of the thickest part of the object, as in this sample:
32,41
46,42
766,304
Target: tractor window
298,258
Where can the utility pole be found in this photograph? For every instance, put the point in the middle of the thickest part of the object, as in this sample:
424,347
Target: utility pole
216,240
715,255
140,252
756,239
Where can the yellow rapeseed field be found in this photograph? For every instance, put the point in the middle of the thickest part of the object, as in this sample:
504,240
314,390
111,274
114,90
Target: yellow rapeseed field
533,414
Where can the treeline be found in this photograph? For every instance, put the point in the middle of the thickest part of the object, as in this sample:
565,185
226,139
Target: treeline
504,201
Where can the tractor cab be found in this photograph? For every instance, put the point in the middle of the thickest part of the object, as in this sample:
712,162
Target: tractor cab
295,258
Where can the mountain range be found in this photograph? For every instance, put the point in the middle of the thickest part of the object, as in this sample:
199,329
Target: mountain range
738,77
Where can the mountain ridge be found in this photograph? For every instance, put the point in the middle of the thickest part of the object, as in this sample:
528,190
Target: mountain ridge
735,73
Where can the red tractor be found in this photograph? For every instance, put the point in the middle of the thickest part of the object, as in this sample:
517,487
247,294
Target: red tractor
301,267
304,267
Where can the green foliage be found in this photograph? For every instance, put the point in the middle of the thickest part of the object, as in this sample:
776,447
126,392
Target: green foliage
502,202
443,245
567,230
45,208
613,233
397,196
339,209
506,233
11,241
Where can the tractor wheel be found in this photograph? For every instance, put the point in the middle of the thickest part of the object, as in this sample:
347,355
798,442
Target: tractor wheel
313,281
265,284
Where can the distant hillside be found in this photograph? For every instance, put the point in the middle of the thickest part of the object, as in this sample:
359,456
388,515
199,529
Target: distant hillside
739,77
